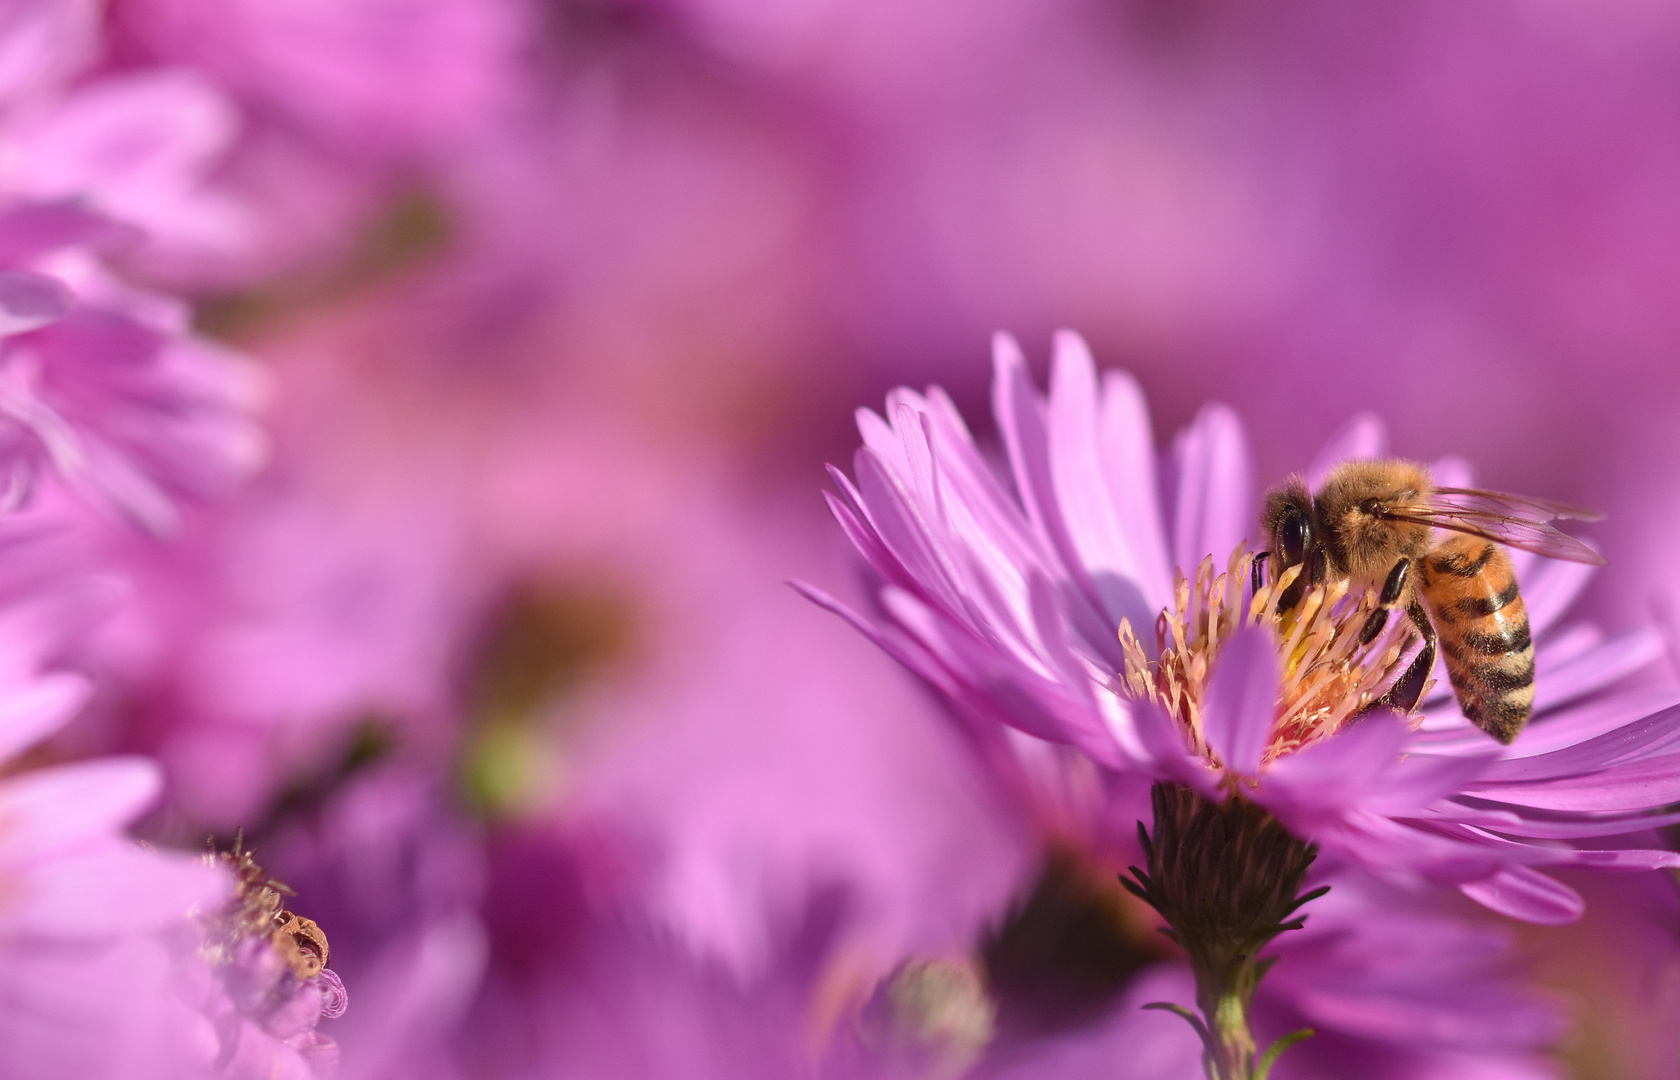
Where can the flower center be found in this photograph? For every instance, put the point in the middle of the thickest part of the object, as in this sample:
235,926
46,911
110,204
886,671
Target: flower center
1327,676
256,912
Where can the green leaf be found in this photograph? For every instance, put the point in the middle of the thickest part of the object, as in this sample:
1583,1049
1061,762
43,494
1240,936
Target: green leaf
1274,1051
1306,898
1191,1018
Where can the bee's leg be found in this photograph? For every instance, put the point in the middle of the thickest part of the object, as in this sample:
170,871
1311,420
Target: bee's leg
1403,695
1258,572
1392,590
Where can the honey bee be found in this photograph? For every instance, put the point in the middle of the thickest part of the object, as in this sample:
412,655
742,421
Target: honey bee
1373,523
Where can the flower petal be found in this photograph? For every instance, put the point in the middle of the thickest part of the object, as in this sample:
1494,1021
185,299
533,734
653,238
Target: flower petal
1241,698
1129,463
1100,541
115,889
1526,894
31,712
61,808
1549,586
1645,783
1636,738
1213,511
1365,768
1021,420
1596,669
1162,740
29,301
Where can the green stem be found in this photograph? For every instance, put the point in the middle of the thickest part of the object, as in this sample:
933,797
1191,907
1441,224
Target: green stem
1230,1043
1227,879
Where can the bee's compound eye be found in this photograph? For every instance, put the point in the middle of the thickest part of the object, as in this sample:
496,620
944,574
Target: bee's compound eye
1294,535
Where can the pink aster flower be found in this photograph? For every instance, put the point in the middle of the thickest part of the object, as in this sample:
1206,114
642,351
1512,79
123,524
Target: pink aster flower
1010,601
1258,720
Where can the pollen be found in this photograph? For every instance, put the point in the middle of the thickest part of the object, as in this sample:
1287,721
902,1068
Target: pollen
1327,678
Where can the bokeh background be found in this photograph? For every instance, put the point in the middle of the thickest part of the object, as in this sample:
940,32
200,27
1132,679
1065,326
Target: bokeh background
565,304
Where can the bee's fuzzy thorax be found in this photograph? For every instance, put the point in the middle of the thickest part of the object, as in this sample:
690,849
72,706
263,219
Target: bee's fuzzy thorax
1360,545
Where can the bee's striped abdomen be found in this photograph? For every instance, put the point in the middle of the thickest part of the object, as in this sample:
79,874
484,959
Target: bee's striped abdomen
1471,592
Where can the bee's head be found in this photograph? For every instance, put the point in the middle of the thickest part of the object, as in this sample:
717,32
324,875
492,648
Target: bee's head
1289,523
1352,508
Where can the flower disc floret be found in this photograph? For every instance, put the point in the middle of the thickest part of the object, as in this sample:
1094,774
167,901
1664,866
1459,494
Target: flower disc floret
1327,676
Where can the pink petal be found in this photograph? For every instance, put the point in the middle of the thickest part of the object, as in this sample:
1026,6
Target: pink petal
1095,528
1573,828
1546,735
1598,668
31,712
1526,894
1021,420
1214,508
29,230
1163,741
61,808
1129,463
1241,698
1636,737
1550,587
1363,767
893,514
118,889
29,301
1646,784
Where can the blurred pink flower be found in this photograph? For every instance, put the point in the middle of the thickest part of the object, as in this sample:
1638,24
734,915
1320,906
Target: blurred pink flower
89,986
138,148
102,383
105,386
337,590
44,43
373,78
758,757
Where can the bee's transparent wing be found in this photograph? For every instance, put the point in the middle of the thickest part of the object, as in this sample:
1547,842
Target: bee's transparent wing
1504,519
1518,506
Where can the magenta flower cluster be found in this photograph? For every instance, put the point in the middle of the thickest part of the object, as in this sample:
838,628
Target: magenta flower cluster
409,419
115,415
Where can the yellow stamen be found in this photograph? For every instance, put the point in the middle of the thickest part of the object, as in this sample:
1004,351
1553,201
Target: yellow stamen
1326,675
